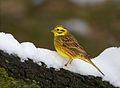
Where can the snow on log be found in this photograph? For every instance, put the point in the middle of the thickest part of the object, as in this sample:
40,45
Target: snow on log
24,61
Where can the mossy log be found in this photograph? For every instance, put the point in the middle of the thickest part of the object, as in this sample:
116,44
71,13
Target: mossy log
48,77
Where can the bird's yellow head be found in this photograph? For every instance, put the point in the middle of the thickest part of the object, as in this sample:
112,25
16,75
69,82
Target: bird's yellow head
60,31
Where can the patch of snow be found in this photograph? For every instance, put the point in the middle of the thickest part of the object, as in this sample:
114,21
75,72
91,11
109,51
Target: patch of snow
108,61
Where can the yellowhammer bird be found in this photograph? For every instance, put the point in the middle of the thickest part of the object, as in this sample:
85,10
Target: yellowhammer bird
68,47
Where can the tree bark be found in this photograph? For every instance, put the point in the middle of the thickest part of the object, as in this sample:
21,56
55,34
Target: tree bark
48,77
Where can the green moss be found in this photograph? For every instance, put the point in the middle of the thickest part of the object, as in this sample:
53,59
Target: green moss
10,82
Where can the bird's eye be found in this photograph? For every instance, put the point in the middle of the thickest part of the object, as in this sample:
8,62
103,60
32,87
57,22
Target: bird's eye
57,29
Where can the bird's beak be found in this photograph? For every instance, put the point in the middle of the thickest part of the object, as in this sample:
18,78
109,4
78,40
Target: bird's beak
52,31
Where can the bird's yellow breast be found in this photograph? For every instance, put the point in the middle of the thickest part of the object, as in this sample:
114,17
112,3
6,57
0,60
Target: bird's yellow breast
62,52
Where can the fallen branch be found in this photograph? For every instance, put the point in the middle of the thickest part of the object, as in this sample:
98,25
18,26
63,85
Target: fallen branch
48,77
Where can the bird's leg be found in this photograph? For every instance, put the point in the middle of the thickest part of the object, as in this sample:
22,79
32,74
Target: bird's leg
69,61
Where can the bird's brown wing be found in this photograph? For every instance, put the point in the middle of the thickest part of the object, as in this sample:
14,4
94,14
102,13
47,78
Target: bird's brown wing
71,43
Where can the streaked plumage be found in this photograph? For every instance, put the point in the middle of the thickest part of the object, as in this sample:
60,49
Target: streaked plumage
67,46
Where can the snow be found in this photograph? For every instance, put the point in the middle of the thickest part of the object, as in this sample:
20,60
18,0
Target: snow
108,61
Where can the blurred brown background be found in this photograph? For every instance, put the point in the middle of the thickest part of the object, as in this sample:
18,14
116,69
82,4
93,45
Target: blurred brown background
95,23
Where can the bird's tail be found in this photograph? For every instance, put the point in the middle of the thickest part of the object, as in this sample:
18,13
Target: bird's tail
90,62
96,67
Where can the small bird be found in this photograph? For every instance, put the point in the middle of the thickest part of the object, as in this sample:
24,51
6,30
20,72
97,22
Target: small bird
67,46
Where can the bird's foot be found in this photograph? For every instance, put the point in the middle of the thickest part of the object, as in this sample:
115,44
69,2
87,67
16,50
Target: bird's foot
65,64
